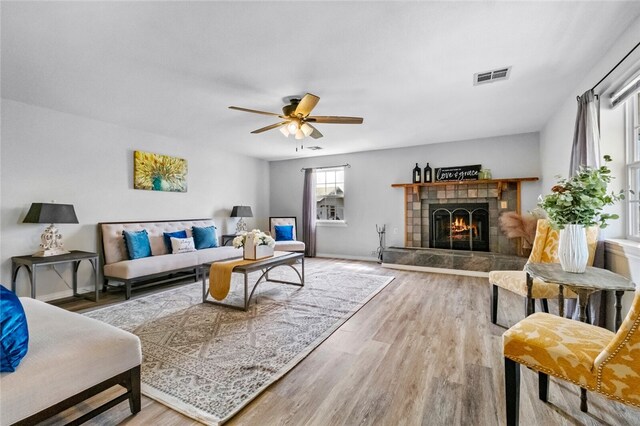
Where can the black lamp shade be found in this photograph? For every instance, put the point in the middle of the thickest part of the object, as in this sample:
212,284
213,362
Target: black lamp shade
241,211
51,213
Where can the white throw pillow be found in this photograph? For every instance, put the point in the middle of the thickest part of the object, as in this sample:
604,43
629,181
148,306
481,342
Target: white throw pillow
182,245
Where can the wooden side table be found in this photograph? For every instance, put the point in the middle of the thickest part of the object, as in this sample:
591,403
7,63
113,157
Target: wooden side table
34,263
592,280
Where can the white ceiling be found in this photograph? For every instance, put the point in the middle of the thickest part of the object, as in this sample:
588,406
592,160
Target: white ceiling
173,68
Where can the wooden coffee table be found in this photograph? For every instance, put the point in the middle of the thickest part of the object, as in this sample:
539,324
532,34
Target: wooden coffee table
263,265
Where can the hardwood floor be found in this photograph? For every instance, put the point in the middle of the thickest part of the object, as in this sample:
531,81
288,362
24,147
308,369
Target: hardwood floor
423,351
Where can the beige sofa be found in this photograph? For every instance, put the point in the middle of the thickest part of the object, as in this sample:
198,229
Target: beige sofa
70,358
161,266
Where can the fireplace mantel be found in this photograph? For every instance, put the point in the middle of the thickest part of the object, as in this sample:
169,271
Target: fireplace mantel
464,182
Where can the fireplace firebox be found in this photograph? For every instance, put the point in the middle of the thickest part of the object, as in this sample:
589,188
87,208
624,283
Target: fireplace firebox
459,226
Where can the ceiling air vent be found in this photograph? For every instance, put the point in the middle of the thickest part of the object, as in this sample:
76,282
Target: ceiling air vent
491,76
314,148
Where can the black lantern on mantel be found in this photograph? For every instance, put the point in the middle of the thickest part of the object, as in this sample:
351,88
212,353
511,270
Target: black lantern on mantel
427,174
417,175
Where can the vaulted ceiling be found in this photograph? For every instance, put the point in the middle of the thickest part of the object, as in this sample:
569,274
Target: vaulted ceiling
173,68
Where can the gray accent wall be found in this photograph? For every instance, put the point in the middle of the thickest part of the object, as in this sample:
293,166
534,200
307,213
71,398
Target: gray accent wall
49,155
370,199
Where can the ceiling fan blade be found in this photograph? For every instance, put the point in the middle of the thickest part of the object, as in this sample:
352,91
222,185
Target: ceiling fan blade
315,134
273,126
307,103
334,119
254,111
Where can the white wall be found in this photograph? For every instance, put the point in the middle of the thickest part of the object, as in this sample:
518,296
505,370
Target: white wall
369,198
556,137
48,155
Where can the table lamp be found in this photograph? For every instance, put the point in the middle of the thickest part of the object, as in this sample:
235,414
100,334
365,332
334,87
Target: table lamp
51,244
241,211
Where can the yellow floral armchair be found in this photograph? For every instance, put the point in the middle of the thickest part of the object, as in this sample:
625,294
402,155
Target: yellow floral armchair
544,250
591,357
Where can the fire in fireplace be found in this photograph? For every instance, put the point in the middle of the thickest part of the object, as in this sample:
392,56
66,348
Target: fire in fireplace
459,226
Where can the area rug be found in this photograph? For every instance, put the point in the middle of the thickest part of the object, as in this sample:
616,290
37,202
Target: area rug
208,362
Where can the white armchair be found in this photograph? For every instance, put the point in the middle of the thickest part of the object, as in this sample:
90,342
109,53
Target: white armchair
285,244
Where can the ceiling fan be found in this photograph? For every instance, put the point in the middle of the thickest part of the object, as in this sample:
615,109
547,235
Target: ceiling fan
297,120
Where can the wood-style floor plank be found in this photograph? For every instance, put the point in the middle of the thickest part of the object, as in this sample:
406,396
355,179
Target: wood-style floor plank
422,352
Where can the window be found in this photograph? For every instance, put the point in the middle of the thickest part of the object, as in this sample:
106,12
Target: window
633,166
330,194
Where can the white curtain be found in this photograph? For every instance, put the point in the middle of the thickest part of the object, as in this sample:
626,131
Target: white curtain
586,151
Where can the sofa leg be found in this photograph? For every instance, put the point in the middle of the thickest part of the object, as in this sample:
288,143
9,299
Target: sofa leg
545,305
494,304
543,386
127,291
105,282
134,388
512,390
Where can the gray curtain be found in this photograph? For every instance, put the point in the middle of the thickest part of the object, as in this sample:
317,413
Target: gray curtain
586,151
309,213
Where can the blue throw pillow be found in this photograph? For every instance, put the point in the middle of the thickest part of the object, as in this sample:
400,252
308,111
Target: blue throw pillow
137,243
169,235
204,237
14,334
284,232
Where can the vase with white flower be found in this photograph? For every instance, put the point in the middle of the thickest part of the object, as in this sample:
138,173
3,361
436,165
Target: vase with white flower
256,244
576,203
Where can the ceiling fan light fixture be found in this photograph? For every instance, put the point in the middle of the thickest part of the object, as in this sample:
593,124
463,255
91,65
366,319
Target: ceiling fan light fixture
299,134
292,127
285,131
306,129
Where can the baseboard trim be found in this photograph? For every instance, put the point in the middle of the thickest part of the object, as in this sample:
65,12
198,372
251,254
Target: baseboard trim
64,294
436,270
347,257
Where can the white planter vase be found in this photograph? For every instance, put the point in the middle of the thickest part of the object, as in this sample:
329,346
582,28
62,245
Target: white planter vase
573,251
253,252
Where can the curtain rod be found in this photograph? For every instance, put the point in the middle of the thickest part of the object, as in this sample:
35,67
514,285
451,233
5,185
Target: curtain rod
325,167
616,66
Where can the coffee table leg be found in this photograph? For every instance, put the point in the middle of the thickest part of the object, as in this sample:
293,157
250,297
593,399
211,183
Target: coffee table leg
246,291
561,300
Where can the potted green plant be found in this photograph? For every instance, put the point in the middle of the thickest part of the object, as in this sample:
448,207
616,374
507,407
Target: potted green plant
576,203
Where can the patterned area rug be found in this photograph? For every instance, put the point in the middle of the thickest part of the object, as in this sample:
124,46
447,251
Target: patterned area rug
208,362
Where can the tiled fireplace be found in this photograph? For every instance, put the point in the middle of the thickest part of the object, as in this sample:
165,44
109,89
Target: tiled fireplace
453,226
474,209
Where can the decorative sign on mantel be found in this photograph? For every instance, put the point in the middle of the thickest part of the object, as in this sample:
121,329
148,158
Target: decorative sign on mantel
457,173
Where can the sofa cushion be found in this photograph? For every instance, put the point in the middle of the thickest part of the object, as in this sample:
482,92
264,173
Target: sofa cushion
182,245
68,353
14,332
204,237
137,243
218,253
167,238
128,269
284,232
289,246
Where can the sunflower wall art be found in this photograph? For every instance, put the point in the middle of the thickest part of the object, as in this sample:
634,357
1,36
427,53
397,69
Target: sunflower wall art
157,172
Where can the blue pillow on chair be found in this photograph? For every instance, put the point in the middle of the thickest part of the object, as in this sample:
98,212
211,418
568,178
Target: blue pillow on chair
14,334
137,243
169,235
284,232
204,237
